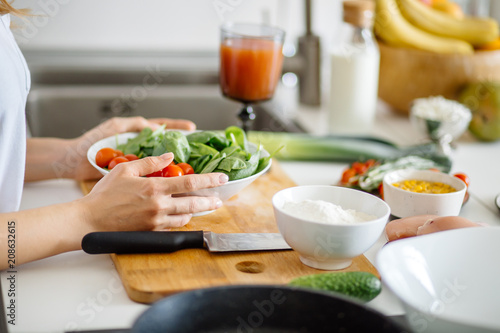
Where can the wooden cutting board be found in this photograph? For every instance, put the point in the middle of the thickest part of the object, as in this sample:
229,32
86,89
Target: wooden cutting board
149,277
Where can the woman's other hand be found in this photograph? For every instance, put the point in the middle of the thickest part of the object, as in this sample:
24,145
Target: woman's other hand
76,153
124,200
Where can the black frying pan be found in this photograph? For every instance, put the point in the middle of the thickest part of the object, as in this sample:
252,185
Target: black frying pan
260,309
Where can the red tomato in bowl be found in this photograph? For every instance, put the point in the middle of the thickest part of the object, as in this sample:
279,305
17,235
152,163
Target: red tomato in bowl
117,160
131,157
155,174
172,171
186,168
105,155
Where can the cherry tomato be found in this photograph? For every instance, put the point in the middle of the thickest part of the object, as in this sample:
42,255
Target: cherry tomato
186,168
117,160
370,163
131,157
105,155
463,177
172,171
381,190
347,175
359,167
156,174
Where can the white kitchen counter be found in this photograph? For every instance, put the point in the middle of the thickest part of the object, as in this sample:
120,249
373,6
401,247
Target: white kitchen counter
79,291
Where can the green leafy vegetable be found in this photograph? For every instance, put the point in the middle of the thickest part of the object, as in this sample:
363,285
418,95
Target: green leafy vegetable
133,146
143,143
374,176
264,161
228,153
199,163
210,138
205,151
213,163
177,143
237,134
237,171
232,163
200,149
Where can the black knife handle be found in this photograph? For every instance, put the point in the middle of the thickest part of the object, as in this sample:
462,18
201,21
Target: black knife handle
128,242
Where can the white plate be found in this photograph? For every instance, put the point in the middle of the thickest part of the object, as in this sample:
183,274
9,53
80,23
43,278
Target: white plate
447,281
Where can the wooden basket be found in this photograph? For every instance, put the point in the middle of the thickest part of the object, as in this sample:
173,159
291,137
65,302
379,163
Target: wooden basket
406,74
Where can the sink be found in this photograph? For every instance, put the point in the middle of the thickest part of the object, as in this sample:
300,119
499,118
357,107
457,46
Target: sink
133,76
66,104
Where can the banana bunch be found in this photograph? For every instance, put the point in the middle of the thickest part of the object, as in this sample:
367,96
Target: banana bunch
411,23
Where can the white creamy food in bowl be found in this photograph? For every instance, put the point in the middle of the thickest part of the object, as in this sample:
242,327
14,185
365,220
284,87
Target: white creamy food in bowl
323,242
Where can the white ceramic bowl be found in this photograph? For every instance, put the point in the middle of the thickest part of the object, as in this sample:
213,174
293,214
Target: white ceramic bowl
447,281
330,246
406,203
224,192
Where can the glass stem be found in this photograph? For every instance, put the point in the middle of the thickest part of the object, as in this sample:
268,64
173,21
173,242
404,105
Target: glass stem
246,116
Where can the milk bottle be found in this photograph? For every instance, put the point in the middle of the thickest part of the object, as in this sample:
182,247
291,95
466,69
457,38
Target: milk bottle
354,73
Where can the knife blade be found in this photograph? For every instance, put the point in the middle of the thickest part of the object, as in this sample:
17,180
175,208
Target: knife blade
130,242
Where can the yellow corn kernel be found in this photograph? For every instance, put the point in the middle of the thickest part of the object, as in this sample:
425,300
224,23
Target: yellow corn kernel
422,186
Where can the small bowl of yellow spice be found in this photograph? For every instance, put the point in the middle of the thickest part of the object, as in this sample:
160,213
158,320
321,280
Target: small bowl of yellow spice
416,192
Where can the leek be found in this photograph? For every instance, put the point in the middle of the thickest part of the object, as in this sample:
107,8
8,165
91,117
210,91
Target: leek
306,147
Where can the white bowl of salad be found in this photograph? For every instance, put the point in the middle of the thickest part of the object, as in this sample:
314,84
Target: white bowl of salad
195,152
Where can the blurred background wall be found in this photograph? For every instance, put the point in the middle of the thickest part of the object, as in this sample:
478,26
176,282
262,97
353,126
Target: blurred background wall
190,25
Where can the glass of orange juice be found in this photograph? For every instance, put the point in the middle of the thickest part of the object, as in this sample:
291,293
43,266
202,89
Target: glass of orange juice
251,59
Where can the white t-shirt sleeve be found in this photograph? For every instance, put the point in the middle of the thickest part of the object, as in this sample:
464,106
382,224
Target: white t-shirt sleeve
14,88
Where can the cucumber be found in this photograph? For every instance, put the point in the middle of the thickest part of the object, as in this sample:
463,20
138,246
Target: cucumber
363,286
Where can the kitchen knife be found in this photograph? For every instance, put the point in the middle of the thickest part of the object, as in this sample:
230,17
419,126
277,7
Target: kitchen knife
128,242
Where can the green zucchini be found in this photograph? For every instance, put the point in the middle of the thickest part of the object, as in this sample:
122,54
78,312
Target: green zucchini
363,286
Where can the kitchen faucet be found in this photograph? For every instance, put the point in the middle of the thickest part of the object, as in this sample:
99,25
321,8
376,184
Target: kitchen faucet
306,63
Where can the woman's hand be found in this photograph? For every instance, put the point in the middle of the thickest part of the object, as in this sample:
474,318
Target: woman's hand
84,170
123,200
48,158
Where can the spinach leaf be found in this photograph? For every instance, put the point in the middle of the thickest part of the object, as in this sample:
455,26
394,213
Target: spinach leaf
148,151
133,146
144,143
206,151
130,148
232,163
199,163
251,166
177,143
235,150
199,149
213,163
210,138
264,161
159,147
202,137
237,134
